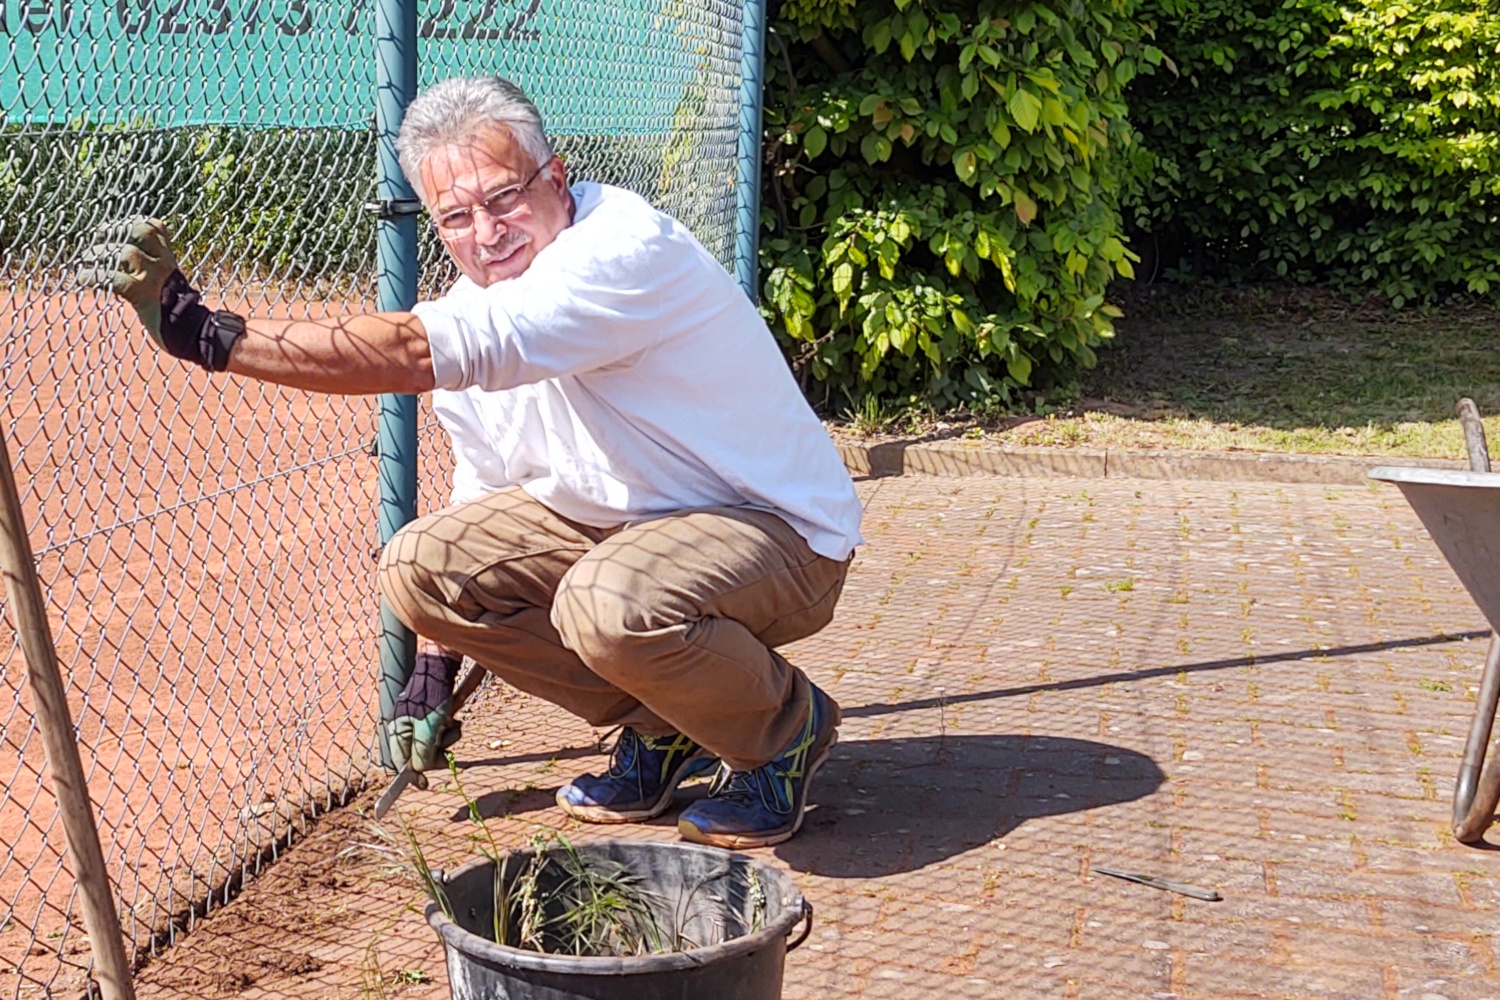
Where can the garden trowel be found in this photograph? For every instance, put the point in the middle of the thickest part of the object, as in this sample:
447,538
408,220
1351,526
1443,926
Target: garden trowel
466,687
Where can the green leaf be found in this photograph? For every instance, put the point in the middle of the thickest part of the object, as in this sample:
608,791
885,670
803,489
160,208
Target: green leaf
966,164
1025,208
1025,109
843,283
1007,271
1019,367
869,104
875,148
815,141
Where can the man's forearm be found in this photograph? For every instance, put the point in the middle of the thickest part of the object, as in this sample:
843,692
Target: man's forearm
358,354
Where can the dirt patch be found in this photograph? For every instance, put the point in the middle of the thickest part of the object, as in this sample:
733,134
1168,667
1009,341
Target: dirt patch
253,960
333,918
293,923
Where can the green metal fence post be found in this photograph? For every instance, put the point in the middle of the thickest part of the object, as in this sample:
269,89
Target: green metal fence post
747,196
396,85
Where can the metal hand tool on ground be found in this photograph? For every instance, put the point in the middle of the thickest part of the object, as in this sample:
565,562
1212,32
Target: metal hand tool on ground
466,687
1166,884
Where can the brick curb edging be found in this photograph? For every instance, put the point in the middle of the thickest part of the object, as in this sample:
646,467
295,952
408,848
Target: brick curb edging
976,458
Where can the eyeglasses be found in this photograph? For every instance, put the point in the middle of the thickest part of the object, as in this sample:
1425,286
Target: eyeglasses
498,205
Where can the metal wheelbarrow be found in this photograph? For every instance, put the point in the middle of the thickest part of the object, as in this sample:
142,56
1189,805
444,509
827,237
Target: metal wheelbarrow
1461,511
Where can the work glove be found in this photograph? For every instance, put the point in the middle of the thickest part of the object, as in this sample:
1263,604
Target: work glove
422,727
134,259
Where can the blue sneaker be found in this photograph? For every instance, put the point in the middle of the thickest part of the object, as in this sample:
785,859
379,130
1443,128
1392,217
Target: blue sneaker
763,807
643,773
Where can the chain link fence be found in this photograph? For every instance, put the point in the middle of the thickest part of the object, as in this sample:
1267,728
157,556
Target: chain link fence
206,544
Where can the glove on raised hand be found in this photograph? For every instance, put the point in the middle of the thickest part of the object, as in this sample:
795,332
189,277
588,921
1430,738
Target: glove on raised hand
135,260
422,726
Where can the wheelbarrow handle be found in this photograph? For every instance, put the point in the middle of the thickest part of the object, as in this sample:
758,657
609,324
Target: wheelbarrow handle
1474,440
1477,791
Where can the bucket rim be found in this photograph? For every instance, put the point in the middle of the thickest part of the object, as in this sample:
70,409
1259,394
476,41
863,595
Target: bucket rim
456,937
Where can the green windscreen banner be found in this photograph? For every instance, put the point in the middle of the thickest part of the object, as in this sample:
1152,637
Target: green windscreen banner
594,67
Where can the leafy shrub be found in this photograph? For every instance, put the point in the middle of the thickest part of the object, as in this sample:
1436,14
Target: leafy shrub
941,192
1354,144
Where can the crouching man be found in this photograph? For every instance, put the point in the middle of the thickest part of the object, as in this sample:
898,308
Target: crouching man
644,506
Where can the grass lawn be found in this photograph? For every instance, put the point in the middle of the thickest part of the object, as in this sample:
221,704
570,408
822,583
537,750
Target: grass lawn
1272,371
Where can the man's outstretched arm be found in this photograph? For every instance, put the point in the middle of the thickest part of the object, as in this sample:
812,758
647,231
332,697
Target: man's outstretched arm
351,355
357,354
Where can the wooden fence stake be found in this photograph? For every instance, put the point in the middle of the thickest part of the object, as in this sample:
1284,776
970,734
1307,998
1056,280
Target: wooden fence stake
100,919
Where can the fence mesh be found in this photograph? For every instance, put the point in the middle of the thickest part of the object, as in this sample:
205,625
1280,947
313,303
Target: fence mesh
206,545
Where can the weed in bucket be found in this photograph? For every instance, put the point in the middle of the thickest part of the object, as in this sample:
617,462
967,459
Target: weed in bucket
554,899
635,920
558,902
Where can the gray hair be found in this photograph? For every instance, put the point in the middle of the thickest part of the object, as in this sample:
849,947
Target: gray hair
449,113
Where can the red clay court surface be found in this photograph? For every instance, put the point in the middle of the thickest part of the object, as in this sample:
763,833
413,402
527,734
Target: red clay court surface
1258,688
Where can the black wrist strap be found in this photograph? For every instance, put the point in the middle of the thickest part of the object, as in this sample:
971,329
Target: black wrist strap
222,331
191,331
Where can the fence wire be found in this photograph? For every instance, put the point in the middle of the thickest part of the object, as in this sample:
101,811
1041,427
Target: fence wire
206,545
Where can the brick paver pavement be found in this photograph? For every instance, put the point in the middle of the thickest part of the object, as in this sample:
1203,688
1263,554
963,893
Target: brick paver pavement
1259,688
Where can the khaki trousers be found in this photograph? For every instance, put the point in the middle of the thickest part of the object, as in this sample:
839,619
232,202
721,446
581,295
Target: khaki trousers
668,625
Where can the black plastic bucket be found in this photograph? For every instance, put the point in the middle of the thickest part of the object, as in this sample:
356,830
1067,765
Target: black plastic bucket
738,911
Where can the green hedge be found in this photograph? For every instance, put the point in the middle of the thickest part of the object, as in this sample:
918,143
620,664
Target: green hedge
1353,144
941,196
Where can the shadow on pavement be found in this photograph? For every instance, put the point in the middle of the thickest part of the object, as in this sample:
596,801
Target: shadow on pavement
895,805
562,753
1125,676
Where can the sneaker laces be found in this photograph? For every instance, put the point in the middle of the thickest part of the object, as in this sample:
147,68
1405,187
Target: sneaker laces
622,754
733,786
603,743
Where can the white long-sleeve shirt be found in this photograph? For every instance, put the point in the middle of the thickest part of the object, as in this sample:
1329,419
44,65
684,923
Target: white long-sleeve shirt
624,375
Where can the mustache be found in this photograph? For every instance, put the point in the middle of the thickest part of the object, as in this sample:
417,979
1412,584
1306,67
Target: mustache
485,254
